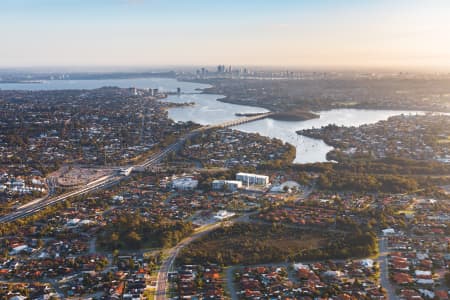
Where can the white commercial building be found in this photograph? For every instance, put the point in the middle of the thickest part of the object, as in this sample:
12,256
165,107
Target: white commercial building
230,185
184,184
388,231
19,249
223,214
252,179
287,186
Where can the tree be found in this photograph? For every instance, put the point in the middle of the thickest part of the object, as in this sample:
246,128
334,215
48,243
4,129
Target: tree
115,256
131,263
447,279
115,239
133,239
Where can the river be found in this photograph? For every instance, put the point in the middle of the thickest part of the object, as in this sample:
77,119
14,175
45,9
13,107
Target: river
164,84
207,110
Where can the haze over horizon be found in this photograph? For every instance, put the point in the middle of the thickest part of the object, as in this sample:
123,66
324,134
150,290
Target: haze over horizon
381,34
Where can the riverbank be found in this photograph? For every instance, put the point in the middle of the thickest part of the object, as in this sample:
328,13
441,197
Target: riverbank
320,94
20,82
427,142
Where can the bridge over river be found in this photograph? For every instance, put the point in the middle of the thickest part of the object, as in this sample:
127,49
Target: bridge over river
238,121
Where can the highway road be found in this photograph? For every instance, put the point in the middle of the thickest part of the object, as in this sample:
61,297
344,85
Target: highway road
103,182
42,203
106,181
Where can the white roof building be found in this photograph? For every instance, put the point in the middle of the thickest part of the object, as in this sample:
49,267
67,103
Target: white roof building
223,214
184,184
388,231
252,179
298,266
231,185
19,249
367,263
73,222
422,273
285,186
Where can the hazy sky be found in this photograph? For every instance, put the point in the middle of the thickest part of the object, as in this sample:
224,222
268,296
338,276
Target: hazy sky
316,33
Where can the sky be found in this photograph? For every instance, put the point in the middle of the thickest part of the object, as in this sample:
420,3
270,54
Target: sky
391,34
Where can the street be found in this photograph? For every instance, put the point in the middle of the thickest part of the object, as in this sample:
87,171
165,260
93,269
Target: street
384,269
167,265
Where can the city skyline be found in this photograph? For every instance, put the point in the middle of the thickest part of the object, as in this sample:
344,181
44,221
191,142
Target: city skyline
348,34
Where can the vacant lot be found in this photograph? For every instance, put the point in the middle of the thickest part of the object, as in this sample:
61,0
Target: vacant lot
251,243
245,243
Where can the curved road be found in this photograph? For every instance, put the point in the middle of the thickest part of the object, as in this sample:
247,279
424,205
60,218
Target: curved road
167,265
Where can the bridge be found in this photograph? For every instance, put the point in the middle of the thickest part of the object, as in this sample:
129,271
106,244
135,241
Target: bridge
178,144
244,120
238,121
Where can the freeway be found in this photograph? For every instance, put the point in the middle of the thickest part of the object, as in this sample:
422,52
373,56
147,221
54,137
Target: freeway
103,182
36,206
106,181
100,183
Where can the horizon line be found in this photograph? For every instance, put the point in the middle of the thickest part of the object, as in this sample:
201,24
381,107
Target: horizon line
172,67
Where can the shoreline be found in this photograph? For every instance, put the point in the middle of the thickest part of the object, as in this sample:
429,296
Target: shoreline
95,76
21,82
362,106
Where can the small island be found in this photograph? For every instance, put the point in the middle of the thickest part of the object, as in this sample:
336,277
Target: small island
295,115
